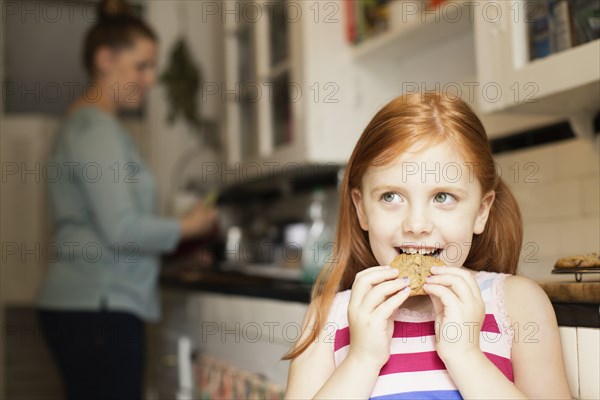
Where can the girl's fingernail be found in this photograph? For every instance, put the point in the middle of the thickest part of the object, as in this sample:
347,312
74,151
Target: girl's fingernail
406,289
428,277
406,279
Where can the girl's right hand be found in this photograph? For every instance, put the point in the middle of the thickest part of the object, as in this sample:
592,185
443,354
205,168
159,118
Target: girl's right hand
376,294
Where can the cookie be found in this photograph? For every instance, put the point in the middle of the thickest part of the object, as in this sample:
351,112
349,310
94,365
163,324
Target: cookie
581,261
417,268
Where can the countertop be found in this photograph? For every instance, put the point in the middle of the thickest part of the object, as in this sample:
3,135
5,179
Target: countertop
567,291
234,283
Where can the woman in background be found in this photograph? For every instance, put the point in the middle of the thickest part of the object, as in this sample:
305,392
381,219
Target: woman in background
102,287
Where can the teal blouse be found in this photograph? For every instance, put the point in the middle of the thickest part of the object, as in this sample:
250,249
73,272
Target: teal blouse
107,235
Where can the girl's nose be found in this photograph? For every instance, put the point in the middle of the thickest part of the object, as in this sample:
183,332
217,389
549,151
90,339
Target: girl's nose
417,222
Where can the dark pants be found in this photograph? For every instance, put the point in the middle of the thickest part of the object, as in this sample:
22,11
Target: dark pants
100,355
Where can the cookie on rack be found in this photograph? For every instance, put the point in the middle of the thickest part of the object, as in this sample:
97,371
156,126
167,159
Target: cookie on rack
581,261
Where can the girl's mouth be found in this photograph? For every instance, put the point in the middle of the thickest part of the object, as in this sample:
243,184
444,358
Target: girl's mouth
429,251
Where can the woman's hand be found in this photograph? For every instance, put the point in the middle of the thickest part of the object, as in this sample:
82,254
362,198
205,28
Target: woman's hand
376,294
198,221
459,310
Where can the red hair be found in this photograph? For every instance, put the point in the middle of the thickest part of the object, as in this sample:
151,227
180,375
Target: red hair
422,119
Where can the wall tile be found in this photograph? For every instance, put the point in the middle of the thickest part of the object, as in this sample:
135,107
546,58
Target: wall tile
548,202
577,157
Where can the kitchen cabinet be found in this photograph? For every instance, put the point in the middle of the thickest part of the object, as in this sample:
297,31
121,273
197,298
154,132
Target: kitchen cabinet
581,350
565,82
263,81
588,351
568,340
335,88
414,27
247,334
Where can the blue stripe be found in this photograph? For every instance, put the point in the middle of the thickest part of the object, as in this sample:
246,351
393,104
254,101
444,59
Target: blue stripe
486,284
425,395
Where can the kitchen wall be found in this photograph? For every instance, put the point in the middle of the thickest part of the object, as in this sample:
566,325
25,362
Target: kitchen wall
557,187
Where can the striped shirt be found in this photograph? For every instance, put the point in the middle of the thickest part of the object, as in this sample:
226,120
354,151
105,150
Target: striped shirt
414,369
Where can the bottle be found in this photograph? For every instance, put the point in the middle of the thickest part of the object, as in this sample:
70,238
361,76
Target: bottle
319,246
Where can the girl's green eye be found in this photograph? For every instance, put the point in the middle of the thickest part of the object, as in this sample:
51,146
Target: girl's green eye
390,197
443,197
440,197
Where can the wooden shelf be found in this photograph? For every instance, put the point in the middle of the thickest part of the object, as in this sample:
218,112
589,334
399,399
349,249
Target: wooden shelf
415,34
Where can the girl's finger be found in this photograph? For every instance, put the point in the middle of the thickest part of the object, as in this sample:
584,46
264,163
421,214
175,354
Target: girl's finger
446,296
380,292
462,272
364,281
387,308
456,283
438,307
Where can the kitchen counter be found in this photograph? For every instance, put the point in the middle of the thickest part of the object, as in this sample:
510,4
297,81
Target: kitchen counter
569,291
575,303
235,283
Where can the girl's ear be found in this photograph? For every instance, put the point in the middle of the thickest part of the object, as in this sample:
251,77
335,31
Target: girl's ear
484,212
360,210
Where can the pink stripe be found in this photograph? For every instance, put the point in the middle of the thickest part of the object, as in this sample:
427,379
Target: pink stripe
342,338
489,324
502,363
403,329
412,362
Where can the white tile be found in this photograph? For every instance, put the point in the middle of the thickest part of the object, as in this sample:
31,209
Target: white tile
577,157
548,202
568,340
521,169
577,236
590,194
540,243
588,346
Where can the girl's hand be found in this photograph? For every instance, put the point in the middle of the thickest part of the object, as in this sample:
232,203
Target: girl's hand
376,294
459,310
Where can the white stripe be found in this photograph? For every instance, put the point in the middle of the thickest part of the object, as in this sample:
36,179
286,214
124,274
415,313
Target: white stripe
413,381
494,343
413,345
340,354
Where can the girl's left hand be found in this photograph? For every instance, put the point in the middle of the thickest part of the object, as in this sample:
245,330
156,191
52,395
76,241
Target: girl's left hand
459,311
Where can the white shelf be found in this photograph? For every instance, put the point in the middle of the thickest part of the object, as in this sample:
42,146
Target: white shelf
572,84
416,33
566,83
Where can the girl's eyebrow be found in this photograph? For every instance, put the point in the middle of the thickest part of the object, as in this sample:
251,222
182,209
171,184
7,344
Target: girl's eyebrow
451,189
382,188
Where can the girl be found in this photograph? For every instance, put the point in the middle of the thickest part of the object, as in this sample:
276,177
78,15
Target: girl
422,179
